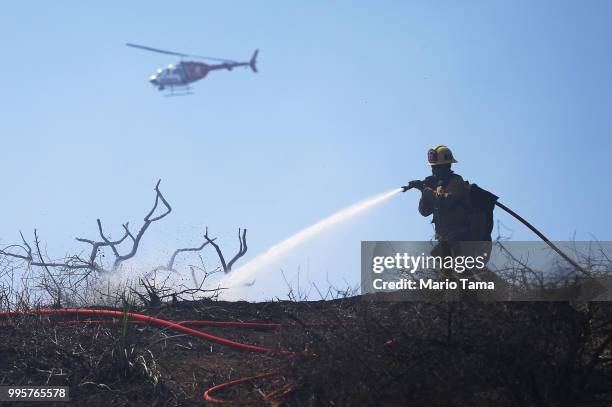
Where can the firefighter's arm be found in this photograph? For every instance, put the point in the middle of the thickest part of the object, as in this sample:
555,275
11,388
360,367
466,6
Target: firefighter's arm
426,203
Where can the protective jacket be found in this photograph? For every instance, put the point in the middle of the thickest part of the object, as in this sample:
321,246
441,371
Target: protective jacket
448,199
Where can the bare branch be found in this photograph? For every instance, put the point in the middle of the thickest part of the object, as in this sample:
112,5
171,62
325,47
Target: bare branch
227,267
63,281
113,244
57,286
104,243
72,263
75,262
170,265
147,222
241,251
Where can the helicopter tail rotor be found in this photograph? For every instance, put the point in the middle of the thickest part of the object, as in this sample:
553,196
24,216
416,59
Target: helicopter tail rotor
253,61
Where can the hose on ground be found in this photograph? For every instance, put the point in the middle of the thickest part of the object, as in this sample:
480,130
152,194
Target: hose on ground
274,395
136,318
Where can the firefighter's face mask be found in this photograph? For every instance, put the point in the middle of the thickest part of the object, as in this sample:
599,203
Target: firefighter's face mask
440,170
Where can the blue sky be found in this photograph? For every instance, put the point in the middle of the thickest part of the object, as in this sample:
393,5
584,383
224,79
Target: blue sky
349,97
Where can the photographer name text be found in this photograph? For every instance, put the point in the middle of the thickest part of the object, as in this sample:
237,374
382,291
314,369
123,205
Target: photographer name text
431,284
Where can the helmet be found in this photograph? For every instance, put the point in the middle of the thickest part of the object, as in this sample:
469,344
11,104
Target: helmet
440,155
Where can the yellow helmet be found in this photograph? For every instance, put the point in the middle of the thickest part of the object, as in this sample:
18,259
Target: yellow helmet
440,155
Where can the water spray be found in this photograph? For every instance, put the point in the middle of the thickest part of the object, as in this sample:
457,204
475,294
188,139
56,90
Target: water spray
246,274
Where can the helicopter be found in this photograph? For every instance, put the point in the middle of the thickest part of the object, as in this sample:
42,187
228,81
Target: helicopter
183,73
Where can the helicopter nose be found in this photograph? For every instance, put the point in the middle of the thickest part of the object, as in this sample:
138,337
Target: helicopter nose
153,80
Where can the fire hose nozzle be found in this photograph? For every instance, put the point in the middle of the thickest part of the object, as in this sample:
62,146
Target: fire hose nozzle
418,184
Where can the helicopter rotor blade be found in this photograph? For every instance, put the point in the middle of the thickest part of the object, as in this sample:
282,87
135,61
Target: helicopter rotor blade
161,51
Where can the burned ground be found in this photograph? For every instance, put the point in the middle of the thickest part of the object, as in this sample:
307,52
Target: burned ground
347,352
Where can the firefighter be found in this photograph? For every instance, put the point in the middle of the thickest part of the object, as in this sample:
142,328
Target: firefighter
462,215
446,196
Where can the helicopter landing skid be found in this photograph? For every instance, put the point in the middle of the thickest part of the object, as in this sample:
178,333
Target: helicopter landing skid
179,94
179,91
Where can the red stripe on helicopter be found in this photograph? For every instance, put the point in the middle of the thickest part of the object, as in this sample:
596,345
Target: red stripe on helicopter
194,70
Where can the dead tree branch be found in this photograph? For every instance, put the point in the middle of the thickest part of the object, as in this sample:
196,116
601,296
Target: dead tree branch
72,262
76,262
170,265
227,266
63,279
148,220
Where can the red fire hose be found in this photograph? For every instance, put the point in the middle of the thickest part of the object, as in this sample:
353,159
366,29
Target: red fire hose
274,396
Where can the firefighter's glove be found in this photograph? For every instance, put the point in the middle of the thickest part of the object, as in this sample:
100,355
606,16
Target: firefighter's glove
417,184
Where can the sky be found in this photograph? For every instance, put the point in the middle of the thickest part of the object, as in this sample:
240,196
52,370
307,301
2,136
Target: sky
348,98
